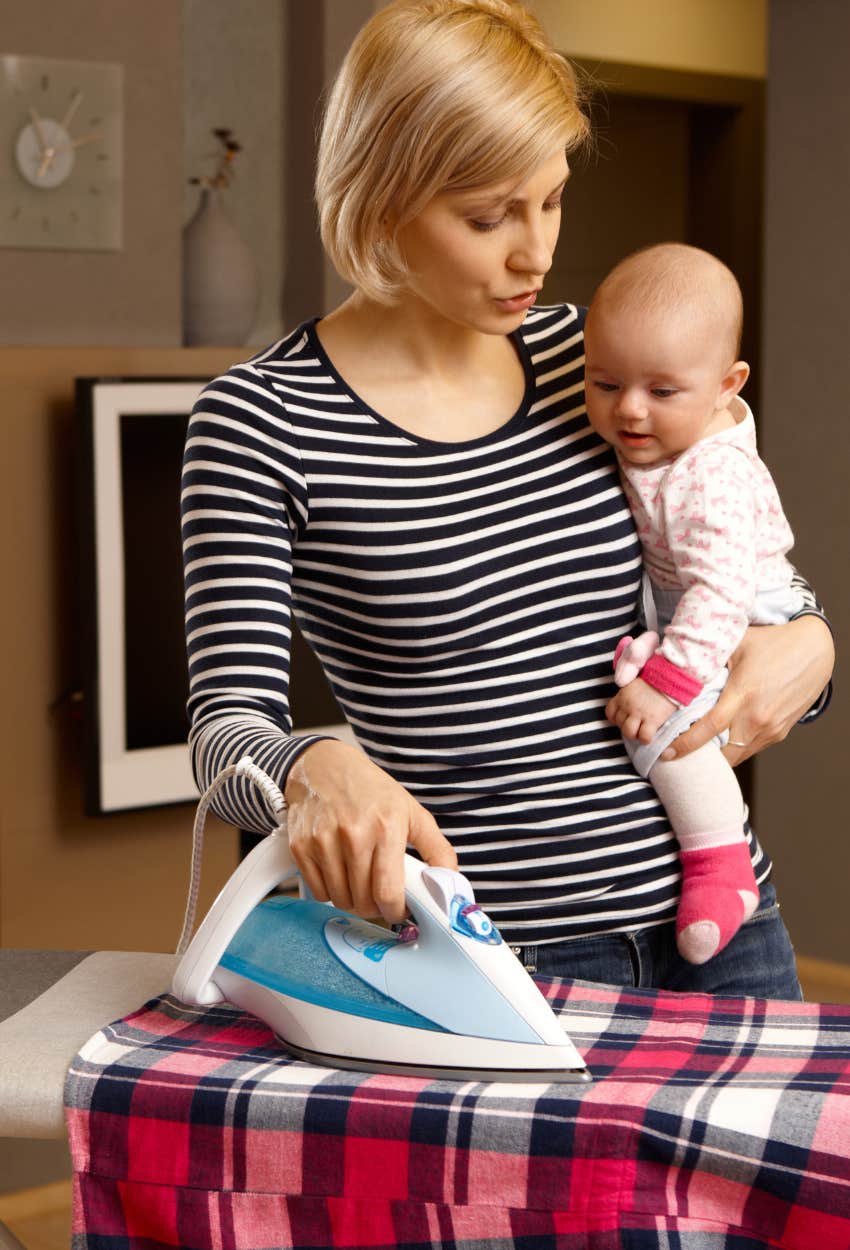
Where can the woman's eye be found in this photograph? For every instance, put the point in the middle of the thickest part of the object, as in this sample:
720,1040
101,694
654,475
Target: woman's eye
549,206
484,226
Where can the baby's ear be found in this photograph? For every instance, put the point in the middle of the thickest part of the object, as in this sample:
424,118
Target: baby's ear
733,381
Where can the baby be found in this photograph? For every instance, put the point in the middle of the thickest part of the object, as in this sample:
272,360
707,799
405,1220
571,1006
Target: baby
662,379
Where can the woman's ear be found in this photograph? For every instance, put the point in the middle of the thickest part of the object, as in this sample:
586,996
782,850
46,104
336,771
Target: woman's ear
733,381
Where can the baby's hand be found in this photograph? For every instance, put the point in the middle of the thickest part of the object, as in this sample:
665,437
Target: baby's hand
640,710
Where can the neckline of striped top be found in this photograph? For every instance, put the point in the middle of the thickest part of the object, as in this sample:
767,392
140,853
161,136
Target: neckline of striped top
504,429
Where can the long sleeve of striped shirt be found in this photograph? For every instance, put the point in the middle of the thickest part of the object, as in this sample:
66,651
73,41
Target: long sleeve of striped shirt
464,600
244,502
812,607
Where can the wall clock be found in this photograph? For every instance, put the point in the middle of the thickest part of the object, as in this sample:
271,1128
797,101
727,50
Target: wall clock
61,141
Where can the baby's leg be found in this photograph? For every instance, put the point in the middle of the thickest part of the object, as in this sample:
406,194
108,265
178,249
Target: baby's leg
705,807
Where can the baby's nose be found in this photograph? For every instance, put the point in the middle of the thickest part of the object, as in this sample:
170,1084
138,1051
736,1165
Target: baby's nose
631,405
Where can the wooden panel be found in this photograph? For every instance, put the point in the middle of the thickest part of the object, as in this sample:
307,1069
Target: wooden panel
824,981
66,880
40,1217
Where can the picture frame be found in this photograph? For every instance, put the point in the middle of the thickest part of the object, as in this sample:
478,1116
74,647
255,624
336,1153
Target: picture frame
130,436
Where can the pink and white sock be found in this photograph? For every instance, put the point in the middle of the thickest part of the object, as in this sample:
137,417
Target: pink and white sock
719,893
706,810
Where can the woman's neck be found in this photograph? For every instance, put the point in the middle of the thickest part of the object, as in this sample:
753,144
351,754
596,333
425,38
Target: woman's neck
431,377
408,336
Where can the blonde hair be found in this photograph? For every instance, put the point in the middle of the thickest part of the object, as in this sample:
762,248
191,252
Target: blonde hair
434,96
681,279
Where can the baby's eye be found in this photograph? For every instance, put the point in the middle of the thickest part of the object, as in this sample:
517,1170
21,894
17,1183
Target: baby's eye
663,392
605,386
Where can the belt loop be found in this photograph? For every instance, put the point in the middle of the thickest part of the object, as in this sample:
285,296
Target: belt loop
634,956
527,955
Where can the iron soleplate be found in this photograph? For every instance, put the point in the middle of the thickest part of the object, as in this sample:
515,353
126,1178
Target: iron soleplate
544,1076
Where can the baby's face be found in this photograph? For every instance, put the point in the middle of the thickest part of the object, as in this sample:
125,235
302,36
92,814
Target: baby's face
653,385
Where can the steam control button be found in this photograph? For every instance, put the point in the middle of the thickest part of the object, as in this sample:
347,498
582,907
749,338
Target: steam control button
468,919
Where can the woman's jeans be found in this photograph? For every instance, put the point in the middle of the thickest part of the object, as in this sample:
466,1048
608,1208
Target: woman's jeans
758,962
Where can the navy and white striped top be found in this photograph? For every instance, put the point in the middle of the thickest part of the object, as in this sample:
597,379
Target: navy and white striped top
464,599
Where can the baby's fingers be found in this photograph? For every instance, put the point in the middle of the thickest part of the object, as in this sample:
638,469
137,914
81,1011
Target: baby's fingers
631,726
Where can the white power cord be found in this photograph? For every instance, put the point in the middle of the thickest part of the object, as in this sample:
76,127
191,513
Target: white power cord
277,804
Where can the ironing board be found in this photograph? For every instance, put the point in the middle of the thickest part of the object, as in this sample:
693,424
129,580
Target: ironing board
51,1001
711,1123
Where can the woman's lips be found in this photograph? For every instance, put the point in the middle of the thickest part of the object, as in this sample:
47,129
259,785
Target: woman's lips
518,302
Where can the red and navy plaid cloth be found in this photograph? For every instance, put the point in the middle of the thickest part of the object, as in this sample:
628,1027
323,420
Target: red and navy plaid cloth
711,1123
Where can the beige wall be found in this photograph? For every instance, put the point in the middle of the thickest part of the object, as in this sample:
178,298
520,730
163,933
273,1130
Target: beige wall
708,36
109,297
188,68
234,75
66,880
343,19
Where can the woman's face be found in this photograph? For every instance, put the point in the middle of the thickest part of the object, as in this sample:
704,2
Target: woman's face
478,258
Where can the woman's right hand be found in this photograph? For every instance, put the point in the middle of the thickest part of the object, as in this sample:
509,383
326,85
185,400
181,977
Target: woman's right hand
349,823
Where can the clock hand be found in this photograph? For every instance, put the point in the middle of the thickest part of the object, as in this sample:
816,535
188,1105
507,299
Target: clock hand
48,151
81,142
72,108
47,158
36,121
78,143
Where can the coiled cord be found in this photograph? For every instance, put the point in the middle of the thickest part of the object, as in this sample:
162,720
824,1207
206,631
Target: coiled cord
277,805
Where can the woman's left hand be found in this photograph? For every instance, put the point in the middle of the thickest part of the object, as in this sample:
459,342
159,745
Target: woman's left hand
777,673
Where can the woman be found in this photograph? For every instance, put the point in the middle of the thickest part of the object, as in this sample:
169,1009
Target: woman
415,475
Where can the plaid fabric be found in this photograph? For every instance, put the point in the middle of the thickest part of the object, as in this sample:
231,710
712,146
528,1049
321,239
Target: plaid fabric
711,1123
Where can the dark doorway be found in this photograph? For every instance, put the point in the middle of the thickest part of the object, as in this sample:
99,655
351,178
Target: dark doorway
676,156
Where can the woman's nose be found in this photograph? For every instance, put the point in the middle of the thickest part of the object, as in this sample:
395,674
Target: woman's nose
533,252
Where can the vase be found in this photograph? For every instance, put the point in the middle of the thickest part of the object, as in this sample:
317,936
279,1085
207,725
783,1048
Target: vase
220,287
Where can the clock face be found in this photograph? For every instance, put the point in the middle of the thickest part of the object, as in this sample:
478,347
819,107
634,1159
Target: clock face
61,140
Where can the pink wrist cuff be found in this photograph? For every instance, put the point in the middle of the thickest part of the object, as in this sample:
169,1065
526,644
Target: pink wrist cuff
670,679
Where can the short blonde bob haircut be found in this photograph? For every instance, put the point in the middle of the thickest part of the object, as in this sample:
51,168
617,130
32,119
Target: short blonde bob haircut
434,96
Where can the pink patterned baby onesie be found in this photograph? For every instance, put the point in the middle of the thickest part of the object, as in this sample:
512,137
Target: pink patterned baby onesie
714,539
711,526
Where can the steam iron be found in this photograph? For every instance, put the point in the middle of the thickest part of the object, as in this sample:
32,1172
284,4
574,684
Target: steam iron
453,1003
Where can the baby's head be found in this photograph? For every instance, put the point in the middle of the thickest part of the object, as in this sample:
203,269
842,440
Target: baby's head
661,343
